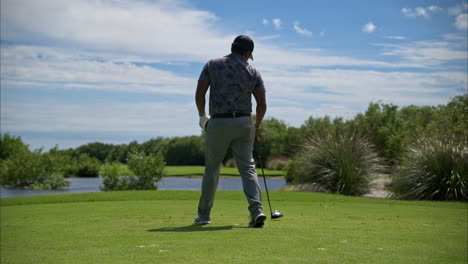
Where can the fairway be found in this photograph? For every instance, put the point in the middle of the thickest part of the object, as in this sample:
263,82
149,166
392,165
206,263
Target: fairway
156,227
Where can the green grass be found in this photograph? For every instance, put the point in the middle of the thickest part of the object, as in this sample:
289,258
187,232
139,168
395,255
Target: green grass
199,170
156,227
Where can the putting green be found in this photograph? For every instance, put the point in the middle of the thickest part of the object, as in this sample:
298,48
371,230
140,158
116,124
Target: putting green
156,227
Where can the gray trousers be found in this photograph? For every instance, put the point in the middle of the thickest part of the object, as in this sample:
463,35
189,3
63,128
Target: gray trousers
239,134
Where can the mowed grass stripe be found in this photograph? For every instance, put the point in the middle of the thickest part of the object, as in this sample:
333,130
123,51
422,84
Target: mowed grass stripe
156,227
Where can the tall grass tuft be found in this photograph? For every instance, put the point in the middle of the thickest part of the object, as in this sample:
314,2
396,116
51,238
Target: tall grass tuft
339,163
434,170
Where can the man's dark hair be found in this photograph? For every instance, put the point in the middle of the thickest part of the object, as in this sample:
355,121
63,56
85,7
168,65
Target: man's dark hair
242,44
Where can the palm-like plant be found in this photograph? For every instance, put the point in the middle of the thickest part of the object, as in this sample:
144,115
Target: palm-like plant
339,163
434,170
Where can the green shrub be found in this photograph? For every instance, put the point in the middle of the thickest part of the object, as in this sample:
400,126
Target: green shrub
54,181
434,169
115,177
230,163
142,173
86,166
184,151
115,170
9,145
295,170
338,163
148,169
26,169
81,166
273,140
385,129
277,163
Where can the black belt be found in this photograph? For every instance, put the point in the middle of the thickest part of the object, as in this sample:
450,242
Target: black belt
229,115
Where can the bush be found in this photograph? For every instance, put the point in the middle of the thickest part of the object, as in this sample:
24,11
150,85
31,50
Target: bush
148,169
434,170
116,177
9,145
185,151
142,172
74,166
277,163
54,181
384,127
96,150
230,163
86,166
26,169
338,163
295,170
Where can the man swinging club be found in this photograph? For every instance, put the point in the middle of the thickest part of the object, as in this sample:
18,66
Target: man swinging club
232,81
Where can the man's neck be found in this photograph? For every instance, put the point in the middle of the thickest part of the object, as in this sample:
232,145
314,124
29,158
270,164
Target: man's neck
242,57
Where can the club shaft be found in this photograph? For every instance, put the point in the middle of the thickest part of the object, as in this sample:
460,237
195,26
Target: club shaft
266,187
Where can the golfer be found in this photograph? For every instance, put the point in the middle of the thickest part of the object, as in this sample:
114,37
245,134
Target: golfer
232,82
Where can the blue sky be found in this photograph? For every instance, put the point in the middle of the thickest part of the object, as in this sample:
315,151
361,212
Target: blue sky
74,72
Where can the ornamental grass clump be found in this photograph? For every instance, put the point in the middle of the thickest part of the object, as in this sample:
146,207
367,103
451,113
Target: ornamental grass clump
341,164
434,169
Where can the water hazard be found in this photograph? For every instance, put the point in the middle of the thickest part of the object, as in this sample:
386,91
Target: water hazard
80,185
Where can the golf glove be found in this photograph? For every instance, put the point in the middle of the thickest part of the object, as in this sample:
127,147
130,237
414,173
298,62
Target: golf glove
203,121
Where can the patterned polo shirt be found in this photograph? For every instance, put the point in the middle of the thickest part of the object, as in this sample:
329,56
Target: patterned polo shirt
232,81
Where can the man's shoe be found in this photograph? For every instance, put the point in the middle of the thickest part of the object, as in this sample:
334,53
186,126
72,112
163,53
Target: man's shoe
258,221
202,221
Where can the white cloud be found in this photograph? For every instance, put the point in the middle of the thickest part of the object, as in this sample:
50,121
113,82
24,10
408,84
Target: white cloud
429,53
147,119
461,22
396,37
455,37
143,31
434,8
369,27
295,58
294,96
458,9
277,23
301,31
461,17
47,67
153,29
408,12
353,88
420,11
265,38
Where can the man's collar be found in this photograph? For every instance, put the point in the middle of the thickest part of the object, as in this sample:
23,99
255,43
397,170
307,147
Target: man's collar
239,58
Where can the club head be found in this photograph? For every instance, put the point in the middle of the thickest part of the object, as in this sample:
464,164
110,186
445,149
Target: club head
276,214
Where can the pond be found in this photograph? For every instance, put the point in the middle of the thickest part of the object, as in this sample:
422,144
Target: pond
79,185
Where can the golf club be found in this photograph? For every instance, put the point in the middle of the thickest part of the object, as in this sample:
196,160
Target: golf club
276,213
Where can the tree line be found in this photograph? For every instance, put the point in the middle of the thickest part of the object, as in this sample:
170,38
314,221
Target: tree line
389,128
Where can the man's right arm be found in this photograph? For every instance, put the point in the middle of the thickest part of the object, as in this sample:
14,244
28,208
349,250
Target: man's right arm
202,88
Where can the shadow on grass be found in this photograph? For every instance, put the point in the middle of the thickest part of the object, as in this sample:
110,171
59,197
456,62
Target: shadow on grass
191,228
